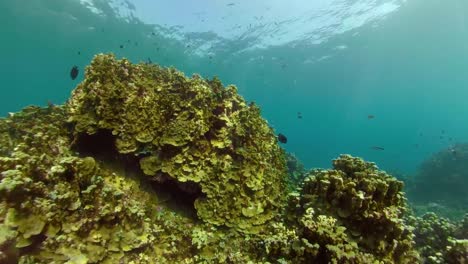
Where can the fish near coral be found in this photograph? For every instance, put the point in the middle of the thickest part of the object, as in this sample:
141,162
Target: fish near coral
74,72
282,138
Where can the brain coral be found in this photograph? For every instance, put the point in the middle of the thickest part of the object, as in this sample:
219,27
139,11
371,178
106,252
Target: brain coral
187,130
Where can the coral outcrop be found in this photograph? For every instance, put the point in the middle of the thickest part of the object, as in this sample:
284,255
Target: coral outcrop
187,130
353,214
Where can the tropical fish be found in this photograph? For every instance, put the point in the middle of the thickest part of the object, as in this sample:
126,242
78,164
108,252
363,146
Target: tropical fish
74,72
377,148
282,138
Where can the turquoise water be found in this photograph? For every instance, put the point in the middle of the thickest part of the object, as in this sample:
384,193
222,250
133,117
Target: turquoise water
406,65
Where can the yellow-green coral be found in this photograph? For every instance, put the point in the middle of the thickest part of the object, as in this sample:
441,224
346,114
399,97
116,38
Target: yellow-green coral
64,208
353,212
439,240
194,130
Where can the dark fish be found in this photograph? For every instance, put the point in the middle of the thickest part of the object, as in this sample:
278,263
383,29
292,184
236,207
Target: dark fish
121,46
149,60
74,72
79,52
299,115
282,138
230,4
370,117
377,148
152,33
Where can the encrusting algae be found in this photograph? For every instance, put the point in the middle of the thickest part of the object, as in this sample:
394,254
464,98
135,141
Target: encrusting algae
145,165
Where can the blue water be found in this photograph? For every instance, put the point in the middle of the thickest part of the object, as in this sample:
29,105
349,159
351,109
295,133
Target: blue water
406,66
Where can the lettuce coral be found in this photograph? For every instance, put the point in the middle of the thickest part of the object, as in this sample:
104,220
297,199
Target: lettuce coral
191,130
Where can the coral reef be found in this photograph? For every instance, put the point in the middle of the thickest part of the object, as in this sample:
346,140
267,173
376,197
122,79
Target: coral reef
439,240
354,213
57,207
145,165
445,177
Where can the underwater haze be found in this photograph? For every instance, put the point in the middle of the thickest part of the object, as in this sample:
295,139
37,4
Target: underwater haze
382,80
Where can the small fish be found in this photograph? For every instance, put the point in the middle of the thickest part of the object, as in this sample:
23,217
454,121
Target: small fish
370,116
299,115
149,60
79,52
282,138
443,131
230,4
121,46
74,72
152,33
377,148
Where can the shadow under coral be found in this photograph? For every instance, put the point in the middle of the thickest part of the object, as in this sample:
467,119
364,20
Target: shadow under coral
176,196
